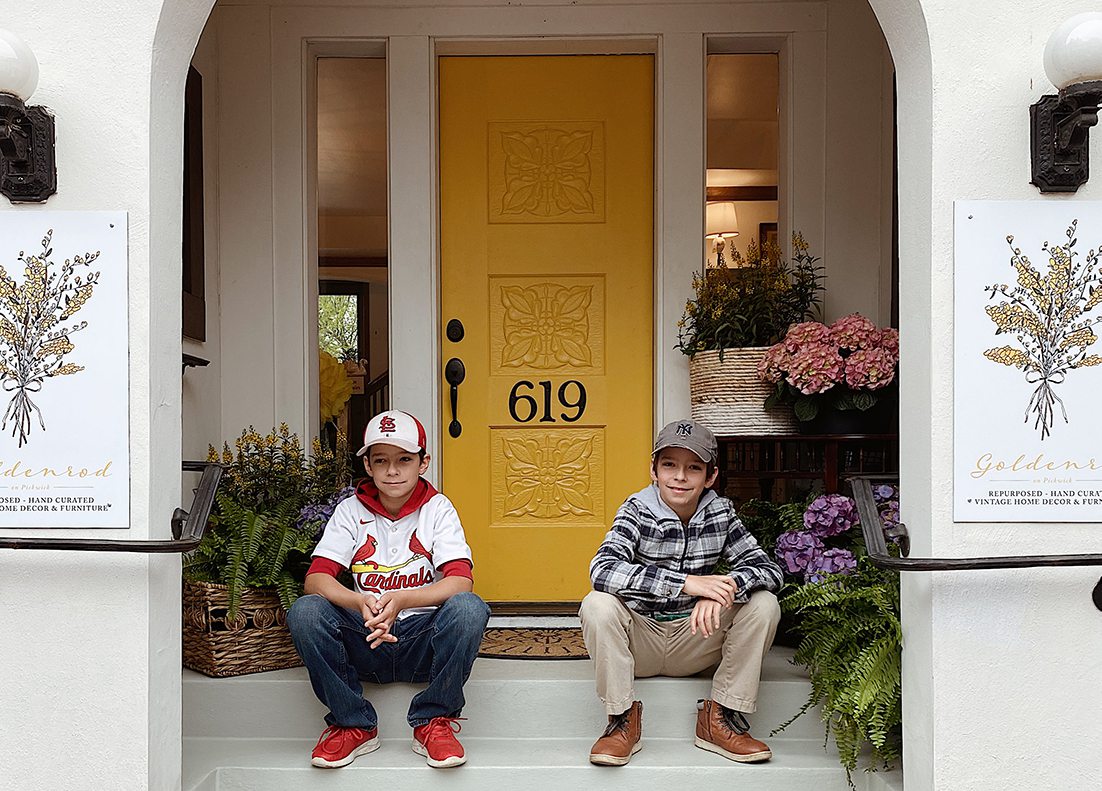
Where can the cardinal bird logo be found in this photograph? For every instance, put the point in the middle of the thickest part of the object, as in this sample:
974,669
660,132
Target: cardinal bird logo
364,552
416,548
361,564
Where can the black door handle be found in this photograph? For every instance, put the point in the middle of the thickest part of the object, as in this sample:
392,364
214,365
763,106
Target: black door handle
454,374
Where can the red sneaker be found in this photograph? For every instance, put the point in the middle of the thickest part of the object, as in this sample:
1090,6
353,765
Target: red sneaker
436,741
339,746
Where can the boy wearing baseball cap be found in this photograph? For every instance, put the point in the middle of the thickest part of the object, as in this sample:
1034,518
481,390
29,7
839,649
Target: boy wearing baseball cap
659,608
411,615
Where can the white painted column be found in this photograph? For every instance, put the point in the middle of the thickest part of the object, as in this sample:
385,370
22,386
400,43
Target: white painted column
680,210
246,229
411,170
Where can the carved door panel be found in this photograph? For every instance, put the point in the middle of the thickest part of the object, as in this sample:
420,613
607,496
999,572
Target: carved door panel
546,181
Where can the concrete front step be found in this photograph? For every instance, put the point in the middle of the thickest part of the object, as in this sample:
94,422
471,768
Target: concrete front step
544,699
544,764
529,724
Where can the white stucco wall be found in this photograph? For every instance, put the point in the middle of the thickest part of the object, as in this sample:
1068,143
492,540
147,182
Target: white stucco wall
89,643
998,688
202,391
1006,655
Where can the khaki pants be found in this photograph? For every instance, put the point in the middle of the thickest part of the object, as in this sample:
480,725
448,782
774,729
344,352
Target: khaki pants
625,645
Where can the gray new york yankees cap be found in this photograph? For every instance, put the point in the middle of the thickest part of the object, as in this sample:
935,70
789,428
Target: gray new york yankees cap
690,435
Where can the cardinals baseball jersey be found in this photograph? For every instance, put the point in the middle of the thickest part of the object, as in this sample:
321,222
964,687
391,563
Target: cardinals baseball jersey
387,553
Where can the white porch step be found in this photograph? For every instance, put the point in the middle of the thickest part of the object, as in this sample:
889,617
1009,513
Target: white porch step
506,764
547,699
529,725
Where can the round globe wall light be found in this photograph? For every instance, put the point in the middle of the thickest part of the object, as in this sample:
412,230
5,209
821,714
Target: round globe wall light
27,170
1060,123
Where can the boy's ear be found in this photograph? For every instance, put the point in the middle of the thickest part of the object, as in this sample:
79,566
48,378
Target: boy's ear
712,478
367,465
424,464
653,475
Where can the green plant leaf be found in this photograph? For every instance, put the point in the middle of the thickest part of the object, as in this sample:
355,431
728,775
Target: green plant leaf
806,408
863,400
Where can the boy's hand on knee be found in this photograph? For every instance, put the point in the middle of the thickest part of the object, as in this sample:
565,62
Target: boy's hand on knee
705,617
717,587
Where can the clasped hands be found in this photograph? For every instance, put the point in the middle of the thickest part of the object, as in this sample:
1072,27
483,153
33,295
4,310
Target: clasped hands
379,614
713,592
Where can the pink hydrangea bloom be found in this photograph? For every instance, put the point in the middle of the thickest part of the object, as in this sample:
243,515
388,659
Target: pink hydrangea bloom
815,369
854,332
805,334
870,369
889,340
774,365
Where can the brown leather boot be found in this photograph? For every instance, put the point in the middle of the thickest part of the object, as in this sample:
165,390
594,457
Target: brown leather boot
621,738
725,732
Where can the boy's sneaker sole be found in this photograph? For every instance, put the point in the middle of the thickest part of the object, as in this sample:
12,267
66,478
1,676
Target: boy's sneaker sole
454,760
369,746
748,758
601,759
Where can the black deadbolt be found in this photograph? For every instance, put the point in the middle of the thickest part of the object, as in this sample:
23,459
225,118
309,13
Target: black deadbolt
455,330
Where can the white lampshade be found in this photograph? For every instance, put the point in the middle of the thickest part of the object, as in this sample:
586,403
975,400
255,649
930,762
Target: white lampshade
18,66
1074,50
721,220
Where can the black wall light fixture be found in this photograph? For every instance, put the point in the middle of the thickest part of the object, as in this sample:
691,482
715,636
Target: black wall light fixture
27,170
1059,123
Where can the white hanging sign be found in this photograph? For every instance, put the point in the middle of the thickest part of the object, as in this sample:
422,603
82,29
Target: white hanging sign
1027,432
64,408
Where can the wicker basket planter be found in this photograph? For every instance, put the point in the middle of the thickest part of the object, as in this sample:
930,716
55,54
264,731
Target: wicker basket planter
727,395
255,641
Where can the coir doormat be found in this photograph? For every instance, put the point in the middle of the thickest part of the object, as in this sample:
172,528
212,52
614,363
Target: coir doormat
502,642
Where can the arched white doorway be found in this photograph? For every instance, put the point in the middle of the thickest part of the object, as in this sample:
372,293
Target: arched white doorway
179,27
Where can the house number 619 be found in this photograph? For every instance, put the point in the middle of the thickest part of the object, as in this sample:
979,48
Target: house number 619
521,396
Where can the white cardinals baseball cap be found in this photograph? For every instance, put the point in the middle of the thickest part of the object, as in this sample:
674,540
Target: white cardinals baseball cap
397,428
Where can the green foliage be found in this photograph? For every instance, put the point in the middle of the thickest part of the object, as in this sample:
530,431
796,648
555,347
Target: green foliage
338,325
852,648
753,301
766,520
255,537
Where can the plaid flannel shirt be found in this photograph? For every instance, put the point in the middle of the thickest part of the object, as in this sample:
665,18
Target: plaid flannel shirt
647,554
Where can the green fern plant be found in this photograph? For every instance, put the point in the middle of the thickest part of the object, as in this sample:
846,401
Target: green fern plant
852,649
766,520
257,537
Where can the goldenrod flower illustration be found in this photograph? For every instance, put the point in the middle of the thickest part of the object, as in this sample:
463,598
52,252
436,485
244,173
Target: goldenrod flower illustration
35,334
1048,314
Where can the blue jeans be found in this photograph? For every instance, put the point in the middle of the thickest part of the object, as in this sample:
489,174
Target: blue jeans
437,647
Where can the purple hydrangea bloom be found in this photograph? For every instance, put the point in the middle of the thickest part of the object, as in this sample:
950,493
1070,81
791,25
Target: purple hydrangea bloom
796,549
318,514
830,514
832,561
889,517
883,492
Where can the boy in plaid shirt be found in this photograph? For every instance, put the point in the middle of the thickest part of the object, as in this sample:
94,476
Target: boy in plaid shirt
658,608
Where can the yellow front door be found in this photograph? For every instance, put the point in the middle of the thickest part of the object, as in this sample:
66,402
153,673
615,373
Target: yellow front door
546,182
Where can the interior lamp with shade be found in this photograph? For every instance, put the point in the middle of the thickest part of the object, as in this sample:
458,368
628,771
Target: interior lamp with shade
27,170
721,221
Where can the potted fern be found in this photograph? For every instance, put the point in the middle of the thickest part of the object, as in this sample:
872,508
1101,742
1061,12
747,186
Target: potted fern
849,618
251,564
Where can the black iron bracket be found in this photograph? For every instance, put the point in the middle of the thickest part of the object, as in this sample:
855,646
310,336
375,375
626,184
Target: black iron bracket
187,526
28,171
1059,126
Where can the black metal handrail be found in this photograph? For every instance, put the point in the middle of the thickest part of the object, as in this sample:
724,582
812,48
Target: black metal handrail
877,547
187,526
